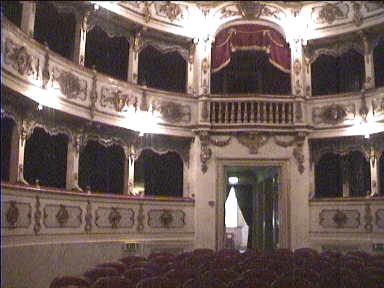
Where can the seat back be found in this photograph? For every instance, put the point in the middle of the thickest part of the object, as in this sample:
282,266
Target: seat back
99,272
113,282
69,281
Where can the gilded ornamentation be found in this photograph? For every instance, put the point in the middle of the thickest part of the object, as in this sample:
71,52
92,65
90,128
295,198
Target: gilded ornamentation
363,111
252,140
140,219
171,10
329,13
166,218
297,66
368,218
357,16
114,217
191,55
205,65
174,112
298,87
62,216
88,217
298,154
205,151
225,13
12,214
116,99
37,216
71,86
377,106
333,114
146,11
20,60
220,143
46,74
250,9
93,95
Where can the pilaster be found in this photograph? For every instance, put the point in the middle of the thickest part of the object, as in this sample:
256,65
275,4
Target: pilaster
129,170
18,141
73,155
133,58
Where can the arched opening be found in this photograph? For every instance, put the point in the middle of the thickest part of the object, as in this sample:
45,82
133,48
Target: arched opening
160,175
57,29
165,71
378,60
12,10
7,128
109,55
360,175
333,75
101,169
328,176
250,72
45,158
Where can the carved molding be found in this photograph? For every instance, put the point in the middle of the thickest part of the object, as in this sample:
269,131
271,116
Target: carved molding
140,219
15,214
114,217
380,218
339,219
37,216
88,217
206,151
252,140
333,114
172,112
368,217
172,11
62,216
357,16
93,94
298,150
330,13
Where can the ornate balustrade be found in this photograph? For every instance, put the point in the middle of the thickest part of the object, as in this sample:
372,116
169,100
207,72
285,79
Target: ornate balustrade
36,213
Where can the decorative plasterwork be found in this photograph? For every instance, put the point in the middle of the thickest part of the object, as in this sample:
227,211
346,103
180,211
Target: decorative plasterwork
70,85
62,216
88,217
140,219
253,10
339,219
333,114
110,28
252,140
166,218
93,94
15,214
170,10
172,112
21,60
357,15
380,218
37,216
114,98
298,150
330,13
113,217
163,46
368,217
378,106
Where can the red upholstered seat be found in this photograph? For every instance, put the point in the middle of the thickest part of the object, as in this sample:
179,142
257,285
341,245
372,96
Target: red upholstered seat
113,282
257,275
151,282
132,259
290,282
120,267
69,281
224,275
137,274
99,272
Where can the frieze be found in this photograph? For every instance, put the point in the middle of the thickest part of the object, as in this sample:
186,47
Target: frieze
252,140
70,85
333,114
339,219
170,10
62,216
113,217
23,62
330,13
116,99
17,214
166,218
172,112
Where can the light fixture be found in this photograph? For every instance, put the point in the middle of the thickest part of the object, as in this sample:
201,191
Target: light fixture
195,40
233,180
366,136
40,107
96,7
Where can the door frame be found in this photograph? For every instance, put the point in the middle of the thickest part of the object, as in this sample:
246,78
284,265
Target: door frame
283,198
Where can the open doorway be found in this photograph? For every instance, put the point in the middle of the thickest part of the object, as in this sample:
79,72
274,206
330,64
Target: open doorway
252,204
251,207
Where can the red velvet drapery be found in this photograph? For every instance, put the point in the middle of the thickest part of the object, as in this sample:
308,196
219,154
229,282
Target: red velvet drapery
251,37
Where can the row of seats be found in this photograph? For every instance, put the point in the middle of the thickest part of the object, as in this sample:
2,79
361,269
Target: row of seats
228,268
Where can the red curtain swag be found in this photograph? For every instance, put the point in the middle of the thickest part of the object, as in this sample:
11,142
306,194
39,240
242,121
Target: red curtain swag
251,37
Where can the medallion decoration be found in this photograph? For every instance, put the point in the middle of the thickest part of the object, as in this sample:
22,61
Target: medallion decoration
298,154
252,140
205,151
18,57
12,214
174,112
166,218
62,216
114,217
339,219
116,99
70,85
368,217
16,214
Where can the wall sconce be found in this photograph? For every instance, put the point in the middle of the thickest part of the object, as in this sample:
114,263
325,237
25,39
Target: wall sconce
40,107
96,7
195,40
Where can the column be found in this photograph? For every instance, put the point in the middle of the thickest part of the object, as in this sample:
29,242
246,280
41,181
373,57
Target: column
73,155
133,58
28,17
80,36
202,65
129,170
18,140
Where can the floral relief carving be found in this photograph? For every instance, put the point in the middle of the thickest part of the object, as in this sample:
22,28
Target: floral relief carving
380,218
205,151
297,66
70,85
62,216
114,217
117,100
329,13
166,218
12,214
225,13
93,95
173,112
339,219
146,11
17,214
140,219
368,217
357,16
252,140
205,65
18,57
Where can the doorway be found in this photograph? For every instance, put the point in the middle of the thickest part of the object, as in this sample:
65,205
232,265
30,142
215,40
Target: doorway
252,204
